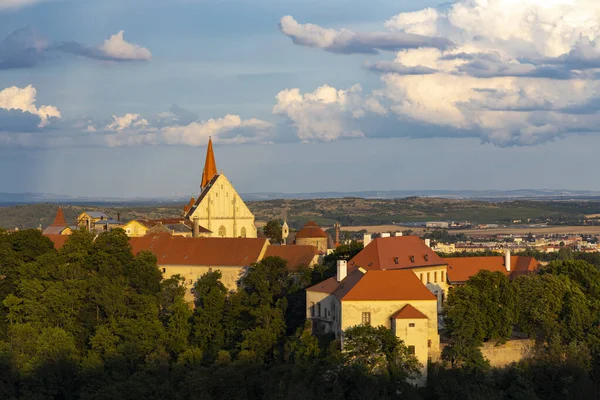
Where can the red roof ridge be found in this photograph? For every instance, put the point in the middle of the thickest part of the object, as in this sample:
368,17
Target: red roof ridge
59,219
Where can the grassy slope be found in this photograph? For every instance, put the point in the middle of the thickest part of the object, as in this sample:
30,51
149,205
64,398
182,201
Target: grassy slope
349,211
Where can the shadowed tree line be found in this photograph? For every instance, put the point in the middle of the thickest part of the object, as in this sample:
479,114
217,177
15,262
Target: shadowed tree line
94,321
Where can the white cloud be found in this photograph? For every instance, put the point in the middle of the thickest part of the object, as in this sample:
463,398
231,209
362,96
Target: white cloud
229,129
327,113
347,41
127,121
15,98
16,4
119,49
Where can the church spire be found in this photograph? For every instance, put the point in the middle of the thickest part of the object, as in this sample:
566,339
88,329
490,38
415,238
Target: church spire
59,220
210,167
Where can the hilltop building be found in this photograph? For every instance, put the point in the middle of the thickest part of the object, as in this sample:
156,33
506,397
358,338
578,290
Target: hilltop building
219,208
312,235
174,226
87,220
395,299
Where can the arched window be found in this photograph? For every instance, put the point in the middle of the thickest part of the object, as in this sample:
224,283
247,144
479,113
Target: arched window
243,232
222,231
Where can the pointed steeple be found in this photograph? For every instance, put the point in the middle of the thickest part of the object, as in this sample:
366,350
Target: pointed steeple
59,220
210,167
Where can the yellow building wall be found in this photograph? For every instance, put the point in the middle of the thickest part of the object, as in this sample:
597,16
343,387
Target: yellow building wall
134,229
436,280
319,243
230,275
415,332
381,312
223,210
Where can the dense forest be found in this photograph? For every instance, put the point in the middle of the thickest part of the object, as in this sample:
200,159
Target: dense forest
94,321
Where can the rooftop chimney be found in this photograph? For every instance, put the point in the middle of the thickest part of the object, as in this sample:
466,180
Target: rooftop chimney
428,242
366,239
196,230
507,260
385,234
342,270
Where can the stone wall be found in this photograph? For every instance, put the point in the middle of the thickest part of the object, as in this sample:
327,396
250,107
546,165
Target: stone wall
505,354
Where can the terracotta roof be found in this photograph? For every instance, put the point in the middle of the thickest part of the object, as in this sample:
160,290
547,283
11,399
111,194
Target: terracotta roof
376,285
296,256
58,240
179,250
387,285
408,312
210,166
59,220
310,230
460,269
396,252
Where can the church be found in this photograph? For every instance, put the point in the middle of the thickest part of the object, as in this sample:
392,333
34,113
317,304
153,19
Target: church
219,208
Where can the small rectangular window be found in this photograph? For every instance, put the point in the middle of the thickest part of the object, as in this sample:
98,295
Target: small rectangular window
421,277
366,318
435,277
428,278
411,350
429,343
411,325
442,276
164,270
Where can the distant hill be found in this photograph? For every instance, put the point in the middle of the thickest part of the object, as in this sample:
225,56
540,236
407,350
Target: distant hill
350,211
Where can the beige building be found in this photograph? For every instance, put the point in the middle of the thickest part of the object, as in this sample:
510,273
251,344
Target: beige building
405,253
173,226
219,208
395,299
312,235
87,220
193,257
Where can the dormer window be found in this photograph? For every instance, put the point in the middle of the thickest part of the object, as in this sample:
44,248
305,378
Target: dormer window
426,257
412,259
395,260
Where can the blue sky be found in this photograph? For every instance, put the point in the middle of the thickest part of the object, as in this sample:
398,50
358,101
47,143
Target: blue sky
117,98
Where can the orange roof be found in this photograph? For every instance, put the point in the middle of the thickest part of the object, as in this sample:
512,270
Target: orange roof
151,223
376,285
310,230
460,269
59,220
408,312
210,166
387,285
58,240
296,256
396,252
179,250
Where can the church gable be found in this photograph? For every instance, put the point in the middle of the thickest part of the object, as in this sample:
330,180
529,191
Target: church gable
220,201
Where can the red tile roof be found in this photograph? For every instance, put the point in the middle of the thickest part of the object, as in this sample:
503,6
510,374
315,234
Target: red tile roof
396,252
58,240
310,230
179,250
376,285
387,285
296,256
408,312
460,269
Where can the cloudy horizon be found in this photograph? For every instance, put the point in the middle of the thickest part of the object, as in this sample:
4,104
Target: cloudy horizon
119,99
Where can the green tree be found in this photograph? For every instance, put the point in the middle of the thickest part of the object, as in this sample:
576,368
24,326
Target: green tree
272,230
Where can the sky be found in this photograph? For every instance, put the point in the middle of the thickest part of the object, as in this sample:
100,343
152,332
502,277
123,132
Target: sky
118,98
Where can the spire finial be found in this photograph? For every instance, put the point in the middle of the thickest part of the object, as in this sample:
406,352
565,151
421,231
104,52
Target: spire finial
210,166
